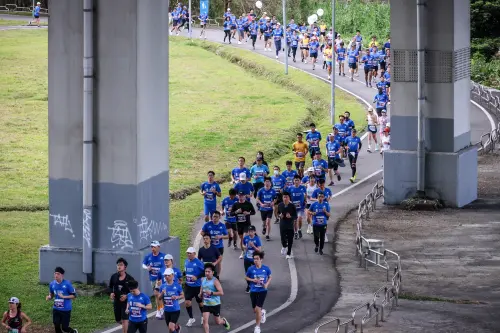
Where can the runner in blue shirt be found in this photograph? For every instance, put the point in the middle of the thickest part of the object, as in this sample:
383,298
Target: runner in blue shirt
217,232
235,173
353,58
294,43
259,277
349,122
298,198
353,145
233,25
387,76
266,198
341,126
210,190
359,40
320,166
341,54
36,14
382,84
268,32
171,291
227,29
333,150
138,305
229,218
258,172
244,186
63,293
376,59
203,25
313,138
278,182
337,137
194,270
313,50
278,35
380,100
367,61
289,174
288,34
251,244
320,212
154,263
169,264
322,189
253,28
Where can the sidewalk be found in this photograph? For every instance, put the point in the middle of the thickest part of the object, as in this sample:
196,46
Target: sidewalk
449,258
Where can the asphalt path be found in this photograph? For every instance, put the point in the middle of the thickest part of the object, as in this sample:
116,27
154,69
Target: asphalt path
305,288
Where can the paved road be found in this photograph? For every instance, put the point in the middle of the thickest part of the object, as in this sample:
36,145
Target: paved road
305,288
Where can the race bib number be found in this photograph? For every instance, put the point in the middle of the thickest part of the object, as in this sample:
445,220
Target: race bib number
261,282
168,301
59,303
331,153
300,154
314,143
259,174
250,254
190,278
135,312
242,218
320,219
317,171
297,204
207,294
215,241
13,330
372,128
381,103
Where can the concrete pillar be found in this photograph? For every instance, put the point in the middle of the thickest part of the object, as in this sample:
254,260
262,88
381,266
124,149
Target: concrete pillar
131,161
451,165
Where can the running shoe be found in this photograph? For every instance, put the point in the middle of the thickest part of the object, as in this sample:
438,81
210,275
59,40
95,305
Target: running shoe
339,178
316,249
247,290
300,233
264,230
229,242
190,322
235,246
241,255
226,324
256,329
263,318
296,236
268,238
179,328
283,251
276,221
158,314
326,238
201,321
289,256
321,252
331,184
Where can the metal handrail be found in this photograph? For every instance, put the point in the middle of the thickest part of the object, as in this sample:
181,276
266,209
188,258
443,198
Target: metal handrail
316,330
491,103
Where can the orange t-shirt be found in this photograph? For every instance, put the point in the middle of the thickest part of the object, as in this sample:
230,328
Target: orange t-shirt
300,149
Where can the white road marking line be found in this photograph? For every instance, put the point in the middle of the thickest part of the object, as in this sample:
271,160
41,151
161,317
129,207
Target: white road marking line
488,115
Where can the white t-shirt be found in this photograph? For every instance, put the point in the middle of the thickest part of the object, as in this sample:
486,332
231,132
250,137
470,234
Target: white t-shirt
309,191
386,142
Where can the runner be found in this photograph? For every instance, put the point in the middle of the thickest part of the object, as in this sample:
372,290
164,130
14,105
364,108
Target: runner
387,76
279,184
310,188
288,224
266,198
341,54
304,47
138,305
298,198
328,54
217,232
320,167
314,139
258,171
203,25
382,121
372,128
63,293
229,218
211,291
349,123
259,277
169,263
278,35
289,174
153,262
14,320
300,150
227,29
268,32
313,51
208,253
294,44
320,212
241,28
171,292
353,58
326,192
353,144
367,61
36,14
210,190
309,174
359,40
193,272
251,244
244,186
242,209
333,150
386,140
119,289
253,28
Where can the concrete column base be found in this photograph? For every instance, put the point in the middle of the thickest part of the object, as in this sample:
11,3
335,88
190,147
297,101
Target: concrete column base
450,177
71,260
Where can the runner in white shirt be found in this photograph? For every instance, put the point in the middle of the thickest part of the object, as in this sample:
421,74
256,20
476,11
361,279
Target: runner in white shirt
371,117
382,121
310,187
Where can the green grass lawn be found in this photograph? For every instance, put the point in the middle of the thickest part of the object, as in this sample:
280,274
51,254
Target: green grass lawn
224,98
17,22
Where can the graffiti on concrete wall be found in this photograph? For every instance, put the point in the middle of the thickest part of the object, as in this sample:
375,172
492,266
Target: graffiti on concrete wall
63,222
149,229
120,236
87,227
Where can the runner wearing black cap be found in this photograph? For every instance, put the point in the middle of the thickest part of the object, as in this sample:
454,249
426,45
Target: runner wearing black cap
119,289
242,209
63,293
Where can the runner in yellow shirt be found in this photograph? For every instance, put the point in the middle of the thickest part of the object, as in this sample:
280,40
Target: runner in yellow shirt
300,150
328,58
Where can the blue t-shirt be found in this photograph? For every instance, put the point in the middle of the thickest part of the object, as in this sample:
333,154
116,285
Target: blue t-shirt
236,173
381,100
320,218
383,85
37,11
246,188
320,168
313,138
227,25
266,197
353,56
332,148
66,288
387,76
358,38
278,182
289,177
263,273
327,192
353,143
253,29
305,180
227,204
194,268
298,196
341,53
177,275
215,230
342,127
169,290
268,30
350,125
338,138
250,250
137,314
313,47
203,18
278,34
293,26
294,40
259,172
157,265
367,61
210,197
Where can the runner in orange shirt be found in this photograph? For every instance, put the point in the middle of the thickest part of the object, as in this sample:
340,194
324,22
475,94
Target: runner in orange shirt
300,150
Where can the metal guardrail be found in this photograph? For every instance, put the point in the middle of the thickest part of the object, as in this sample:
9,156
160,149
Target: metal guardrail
387,295
491,103
12,7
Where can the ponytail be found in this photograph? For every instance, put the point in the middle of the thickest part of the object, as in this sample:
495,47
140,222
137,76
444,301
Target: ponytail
19,308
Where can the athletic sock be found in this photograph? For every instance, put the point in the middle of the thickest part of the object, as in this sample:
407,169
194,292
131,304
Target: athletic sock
189,310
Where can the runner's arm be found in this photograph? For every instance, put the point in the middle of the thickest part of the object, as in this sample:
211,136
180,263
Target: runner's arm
218,286
4,320
268,282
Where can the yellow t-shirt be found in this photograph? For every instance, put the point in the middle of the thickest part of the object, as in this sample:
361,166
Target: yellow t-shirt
322,27
305,42
300,149
328,54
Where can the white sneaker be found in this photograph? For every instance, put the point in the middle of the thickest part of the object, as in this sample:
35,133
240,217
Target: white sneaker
263,318
239,43
190,322
158,314
326,239
256,329
289,256
201,321
376,148
283,251
276,57
241,255
309,229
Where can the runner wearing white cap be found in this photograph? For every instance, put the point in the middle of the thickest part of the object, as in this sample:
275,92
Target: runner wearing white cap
310,188
153,262
169,263
171,291
15,320
194,270
36,14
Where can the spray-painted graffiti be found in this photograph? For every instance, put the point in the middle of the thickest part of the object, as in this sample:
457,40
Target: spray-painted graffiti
87,223
150,228
121,237
62,221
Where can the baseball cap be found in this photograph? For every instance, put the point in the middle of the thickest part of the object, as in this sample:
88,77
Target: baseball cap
387,129
311,169
168,271
14,300
155,243
243,176
241,193
191,250
251,228
168,257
